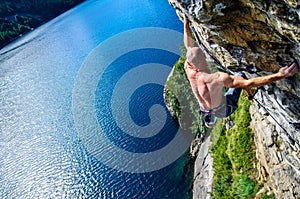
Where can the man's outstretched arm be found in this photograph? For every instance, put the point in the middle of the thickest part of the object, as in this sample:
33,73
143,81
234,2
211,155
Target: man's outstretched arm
188,38
239,82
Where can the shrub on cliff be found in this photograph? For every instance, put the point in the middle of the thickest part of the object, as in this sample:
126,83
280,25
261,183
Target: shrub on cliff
179,98
234,157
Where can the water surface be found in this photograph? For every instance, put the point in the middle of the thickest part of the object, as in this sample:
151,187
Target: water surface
41,153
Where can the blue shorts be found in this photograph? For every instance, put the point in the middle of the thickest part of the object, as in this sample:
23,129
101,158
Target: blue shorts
229,104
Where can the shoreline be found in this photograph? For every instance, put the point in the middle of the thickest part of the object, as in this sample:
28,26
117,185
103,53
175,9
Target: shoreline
18,20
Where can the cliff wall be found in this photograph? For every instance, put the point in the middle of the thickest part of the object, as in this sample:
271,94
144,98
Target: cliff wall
259,37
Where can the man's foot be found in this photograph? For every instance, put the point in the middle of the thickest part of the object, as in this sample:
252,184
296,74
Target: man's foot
210,120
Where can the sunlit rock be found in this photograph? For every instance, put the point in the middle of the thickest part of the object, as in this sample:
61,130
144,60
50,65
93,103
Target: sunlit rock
259,37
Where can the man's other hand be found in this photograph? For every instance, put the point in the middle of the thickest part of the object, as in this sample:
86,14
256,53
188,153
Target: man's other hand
289,71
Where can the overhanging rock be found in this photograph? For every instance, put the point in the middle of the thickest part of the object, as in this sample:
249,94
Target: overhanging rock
259,37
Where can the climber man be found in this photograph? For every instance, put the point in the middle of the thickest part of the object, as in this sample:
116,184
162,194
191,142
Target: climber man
208,87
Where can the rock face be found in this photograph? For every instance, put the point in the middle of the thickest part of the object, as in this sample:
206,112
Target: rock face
259,37
279,164
203,171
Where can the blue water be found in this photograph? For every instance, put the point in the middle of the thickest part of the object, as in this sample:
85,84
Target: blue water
42,154
141,101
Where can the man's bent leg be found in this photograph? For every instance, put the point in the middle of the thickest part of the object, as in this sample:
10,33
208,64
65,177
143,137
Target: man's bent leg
232,97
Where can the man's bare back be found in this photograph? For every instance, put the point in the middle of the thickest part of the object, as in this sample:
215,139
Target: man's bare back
207,88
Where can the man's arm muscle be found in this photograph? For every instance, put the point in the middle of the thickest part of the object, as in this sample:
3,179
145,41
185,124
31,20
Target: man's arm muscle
239,82
188,38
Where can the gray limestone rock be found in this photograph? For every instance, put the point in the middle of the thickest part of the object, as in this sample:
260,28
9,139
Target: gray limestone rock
258,37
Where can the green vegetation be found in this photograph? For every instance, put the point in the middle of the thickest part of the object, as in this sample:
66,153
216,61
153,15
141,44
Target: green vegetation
234,157
233,150
20,16
179,97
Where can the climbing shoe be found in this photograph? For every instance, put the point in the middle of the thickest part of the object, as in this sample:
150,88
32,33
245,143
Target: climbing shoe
210,120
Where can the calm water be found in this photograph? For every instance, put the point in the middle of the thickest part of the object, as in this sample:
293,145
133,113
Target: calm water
42,152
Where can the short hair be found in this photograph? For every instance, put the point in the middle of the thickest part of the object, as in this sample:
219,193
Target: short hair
195,56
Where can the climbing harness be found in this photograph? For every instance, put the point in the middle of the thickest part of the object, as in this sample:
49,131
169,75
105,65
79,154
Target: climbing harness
230,122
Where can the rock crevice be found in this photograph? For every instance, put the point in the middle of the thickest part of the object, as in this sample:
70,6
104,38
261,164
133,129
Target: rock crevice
259,37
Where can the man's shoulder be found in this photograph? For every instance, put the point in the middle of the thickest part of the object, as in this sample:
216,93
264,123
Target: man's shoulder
221,76
217,76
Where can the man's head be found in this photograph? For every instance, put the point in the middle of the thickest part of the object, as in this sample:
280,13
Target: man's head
197,58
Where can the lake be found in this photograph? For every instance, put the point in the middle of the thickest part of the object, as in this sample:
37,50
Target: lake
82,112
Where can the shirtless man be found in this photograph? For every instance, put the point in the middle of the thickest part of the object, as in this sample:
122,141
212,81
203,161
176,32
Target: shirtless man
208,87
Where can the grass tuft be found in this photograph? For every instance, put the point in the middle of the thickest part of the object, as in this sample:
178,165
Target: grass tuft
233,150
234,157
